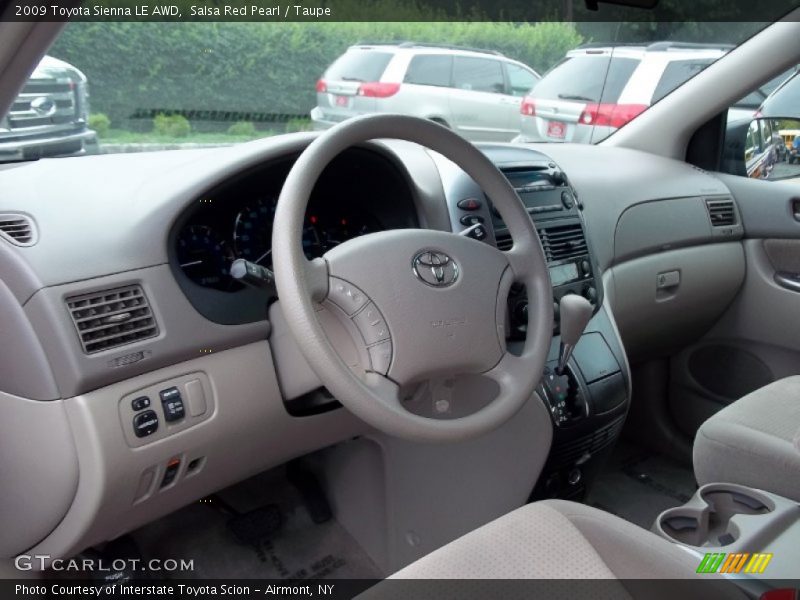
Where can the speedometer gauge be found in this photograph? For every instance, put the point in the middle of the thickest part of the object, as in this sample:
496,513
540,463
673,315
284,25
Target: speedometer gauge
252,232
204,257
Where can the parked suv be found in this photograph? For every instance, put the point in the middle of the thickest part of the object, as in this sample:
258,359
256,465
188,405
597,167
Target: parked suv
474,92
50,115
597,89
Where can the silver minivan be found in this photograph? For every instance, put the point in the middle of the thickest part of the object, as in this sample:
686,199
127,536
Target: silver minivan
595,90
474,92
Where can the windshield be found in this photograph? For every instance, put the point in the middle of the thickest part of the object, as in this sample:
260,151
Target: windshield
110,87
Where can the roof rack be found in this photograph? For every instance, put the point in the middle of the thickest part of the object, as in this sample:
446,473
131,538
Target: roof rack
657,46
410,44
611,45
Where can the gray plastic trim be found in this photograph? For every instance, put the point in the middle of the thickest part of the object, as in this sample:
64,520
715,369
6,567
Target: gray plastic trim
38,471
668,224
608,181
248,432
654,321
183,332
24,370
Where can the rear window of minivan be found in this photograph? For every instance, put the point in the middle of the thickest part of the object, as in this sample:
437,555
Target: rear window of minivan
676,73
586,79
359,65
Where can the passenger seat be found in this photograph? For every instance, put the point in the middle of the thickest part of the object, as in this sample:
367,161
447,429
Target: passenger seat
755,441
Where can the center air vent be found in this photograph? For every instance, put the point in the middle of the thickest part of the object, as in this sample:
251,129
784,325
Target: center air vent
112,318
563,241
721,212
17,229
559,242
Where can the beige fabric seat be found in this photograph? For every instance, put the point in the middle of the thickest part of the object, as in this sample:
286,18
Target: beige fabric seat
559,540
754,441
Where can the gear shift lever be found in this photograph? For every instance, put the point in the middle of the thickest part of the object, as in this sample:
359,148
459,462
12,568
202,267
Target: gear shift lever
575,312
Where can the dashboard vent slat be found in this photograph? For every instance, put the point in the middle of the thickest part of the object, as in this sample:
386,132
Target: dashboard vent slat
18,229
561,242
112,318
721,212
504,241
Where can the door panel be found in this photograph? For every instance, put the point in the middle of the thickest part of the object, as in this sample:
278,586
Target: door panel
475,100
757,340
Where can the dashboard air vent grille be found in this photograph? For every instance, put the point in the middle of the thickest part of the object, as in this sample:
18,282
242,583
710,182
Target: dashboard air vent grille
721,212
563,241
504,241
112,318
18,229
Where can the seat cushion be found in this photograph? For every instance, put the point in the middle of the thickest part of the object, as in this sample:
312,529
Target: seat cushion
754,441
562,541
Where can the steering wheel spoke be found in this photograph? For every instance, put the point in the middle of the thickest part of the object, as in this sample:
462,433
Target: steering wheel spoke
384,388
316,273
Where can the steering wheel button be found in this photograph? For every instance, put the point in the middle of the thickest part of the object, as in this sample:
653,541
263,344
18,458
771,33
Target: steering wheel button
371,324
381,356
346,296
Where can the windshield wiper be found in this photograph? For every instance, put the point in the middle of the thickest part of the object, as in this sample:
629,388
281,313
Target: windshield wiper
576,97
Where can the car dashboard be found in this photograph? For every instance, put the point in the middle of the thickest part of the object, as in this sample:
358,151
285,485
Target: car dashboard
154,237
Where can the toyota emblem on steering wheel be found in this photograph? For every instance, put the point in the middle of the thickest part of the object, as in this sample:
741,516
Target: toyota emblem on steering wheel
435,268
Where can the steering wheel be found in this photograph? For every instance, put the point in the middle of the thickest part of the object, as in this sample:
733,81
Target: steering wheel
419,303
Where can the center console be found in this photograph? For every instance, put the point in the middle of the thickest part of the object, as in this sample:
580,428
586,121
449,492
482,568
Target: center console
588,401
738,532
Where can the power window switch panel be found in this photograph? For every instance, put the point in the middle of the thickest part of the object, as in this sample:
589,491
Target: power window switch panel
172,403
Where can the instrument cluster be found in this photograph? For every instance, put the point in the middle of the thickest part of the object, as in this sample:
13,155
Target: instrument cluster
213,238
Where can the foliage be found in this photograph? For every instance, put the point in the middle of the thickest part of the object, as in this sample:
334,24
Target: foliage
171,125
257,72
297,124
242,128
100,123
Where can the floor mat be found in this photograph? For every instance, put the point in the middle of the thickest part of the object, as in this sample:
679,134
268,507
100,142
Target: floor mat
301,549
637,484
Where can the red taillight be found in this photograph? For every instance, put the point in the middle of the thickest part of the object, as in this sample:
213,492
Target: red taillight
610,115
528,107
376,89
322,86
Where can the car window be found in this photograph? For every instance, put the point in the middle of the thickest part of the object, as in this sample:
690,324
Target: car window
520,80
755,98
676,73
359,65
478,74
430,69
587,78
784,101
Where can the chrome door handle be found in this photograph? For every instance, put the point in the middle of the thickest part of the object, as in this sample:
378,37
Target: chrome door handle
790,281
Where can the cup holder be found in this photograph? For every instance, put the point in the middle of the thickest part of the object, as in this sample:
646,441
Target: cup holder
711,518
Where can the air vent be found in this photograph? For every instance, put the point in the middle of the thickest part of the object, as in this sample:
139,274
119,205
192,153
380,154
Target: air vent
563,241
112,318
504,241
17,229
721,212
